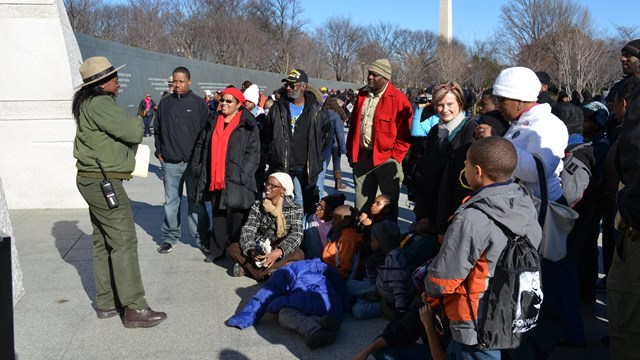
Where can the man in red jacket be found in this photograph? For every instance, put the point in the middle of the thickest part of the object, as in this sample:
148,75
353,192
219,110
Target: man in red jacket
379,137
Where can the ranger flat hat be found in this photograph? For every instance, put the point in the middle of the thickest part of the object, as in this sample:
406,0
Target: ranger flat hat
95,69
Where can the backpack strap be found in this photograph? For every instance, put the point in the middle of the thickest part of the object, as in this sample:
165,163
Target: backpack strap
544,195
473,315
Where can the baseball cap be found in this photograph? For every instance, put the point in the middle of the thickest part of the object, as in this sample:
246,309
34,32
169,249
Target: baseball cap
296,75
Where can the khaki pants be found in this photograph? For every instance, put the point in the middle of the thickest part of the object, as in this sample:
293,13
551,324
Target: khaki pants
368,178
115,247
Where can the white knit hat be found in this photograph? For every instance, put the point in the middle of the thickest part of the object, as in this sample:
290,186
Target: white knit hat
252,93
285,181
517,83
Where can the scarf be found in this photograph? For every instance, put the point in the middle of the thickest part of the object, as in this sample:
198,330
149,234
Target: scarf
148,103
219,146
276,212
447,129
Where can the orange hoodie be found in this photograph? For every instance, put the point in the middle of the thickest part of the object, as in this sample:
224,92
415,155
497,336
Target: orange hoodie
344,253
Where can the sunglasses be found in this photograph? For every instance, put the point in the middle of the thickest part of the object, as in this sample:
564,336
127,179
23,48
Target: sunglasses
228,101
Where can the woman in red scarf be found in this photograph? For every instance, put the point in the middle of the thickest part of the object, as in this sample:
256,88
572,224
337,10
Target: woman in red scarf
225,160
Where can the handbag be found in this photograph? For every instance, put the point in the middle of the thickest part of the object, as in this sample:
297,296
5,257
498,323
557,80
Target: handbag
556,220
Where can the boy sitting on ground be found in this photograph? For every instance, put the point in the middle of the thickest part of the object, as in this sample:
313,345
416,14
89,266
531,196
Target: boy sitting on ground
421,245
473,242
388,278
344,242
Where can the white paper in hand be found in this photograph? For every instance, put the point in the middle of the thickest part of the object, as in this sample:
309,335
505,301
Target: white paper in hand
142,161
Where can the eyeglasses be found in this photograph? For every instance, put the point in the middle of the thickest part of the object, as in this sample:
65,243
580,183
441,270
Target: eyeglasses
319,206
228,101
268,185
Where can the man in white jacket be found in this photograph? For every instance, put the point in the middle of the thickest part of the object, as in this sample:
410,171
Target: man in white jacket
534,129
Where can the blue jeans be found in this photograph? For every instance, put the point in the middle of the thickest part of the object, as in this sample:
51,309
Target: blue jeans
457,351
321,177
147,124
174,178
336,155
363,309
297,191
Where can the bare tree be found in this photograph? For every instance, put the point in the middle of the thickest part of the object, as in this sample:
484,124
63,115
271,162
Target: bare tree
190,26
83,15
145,26
626,33
380,41
340,40
452,62
415,52
527,22
112,19
282,20
483,66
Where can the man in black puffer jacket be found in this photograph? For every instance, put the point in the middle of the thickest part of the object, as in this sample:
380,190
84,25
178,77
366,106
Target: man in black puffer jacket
296,136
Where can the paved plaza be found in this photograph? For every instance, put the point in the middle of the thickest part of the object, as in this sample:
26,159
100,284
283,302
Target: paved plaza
55,319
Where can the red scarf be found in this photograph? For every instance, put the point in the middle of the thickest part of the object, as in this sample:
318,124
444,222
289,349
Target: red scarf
219,146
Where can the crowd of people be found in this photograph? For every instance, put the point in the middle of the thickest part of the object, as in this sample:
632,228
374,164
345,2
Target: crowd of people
261,163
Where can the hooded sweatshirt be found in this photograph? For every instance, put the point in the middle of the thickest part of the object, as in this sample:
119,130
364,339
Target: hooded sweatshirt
472,245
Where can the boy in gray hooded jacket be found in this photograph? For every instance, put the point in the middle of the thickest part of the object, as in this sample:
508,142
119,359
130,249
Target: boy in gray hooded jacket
473,242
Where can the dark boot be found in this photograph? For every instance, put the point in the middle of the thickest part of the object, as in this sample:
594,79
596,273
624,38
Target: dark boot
142,318
337,175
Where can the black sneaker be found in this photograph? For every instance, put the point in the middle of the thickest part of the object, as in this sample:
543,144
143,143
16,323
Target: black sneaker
204,250
320,338
165,248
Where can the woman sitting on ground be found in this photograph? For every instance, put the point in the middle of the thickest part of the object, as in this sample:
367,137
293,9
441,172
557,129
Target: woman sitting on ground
277,219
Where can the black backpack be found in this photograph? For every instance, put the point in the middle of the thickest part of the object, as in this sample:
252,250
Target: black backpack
511,303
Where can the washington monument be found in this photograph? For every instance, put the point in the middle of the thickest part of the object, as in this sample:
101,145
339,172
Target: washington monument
445,20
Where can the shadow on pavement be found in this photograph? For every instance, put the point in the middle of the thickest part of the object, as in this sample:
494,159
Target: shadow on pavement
230,354
67,235
150,218
156,170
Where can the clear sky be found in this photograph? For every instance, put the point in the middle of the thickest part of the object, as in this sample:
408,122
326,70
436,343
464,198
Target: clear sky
472,19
